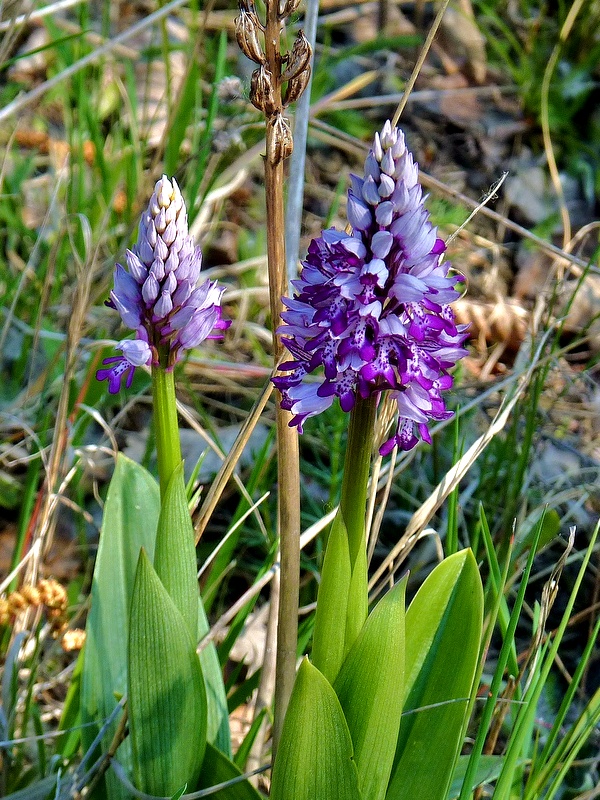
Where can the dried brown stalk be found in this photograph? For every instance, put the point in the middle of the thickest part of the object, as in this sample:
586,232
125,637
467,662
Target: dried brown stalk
270,95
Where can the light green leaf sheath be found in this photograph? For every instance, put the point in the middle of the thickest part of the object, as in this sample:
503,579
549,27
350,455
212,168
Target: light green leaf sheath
166,694
329,638
175,552
314,760
370,688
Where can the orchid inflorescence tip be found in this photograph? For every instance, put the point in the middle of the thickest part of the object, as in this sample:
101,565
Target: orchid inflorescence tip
157,296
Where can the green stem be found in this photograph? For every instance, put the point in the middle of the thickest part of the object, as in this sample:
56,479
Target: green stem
357,464
168,448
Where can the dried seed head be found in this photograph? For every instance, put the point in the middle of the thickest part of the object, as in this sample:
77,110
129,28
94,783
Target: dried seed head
261,90
246,33
247,5
299,58
287,7
296,87
280,143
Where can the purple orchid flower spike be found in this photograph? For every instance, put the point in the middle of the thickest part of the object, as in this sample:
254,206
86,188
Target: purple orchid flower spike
372,307
157,296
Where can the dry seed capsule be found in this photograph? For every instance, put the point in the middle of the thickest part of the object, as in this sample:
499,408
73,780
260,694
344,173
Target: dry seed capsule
287,7
296,87
261,90
299,57
280,144
246,33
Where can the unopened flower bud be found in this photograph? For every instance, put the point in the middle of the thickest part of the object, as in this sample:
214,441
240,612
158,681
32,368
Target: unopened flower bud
262,95
247,26
157,295
299,57
280,144
296,87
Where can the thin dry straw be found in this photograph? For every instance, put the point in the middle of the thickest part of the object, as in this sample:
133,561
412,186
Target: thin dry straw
39,13
27,99
420,62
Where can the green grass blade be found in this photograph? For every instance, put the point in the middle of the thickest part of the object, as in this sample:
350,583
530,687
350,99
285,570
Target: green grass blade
526,716
443,635
508,647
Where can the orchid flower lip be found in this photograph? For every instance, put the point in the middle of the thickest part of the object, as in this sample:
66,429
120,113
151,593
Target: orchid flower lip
371,307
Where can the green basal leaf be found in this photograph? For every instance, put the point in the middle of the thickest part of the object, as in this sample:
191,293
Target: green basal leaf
370,690
166,694
443,633
175,552
315,758
129,523
216,769
329,637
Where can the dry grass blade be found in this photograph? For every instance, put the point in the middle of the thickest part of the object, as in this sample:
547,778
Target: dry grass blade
224,620
424,514
420,61
85,274
224,474
17,105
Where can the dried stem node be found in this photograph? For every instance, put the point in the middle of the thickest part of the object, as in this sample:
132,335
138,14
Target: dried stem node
287,7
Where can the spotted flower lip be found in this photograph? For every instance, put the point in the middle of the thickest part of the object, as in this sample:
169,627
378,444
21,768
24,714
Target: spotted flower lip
372,307
157,296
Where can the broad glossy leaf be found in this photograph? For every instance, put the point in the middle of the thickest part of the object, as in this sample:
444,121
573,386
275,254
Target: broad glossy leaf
315,758
329,638
370,689
443,633
175,551
129,523
216,769
166,695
